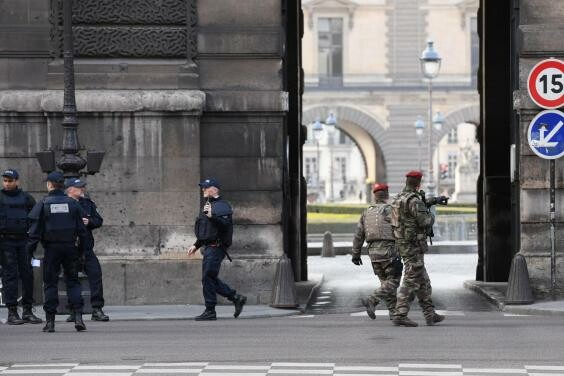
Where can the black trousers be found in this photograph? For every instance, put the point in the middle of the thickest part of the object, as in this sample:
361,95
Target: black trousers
93,270
212,285
57,255
16,264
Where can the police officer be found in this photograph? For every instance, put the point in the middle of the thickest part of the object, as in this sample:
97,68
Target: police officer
76,189
214,231
56,222
410,222
15,205
374,226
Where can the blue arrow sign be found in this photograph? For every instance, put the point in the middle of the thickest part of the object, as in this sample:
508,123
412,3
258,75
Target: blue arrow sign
546,134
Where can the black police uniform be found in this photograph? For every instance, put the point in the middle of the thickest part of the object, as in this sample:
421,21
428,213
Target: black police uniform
15,206
56,221
215,235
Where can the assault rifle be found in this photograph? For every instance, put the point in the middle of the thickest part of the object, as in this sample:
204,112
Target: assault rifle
439,200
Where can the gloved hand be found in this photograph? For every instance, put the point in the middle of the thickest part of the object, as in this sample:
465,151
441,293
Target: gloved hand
442,200
356,260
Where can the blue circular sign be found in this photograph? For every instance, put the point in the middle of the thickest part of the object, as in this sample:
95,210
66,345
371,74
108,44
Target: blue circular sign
546,134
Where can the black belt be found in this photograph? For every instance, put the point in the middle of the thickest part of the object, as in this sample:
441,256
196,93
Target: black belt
13,236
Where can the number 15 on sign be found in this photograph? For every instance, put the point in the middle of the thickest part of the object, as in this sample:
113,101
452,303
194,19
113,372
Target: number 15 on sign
546,83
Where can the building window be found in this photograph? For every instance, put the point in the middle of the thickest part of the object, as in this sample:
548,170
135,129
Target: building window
453,136
474,51
341,164
452,162
330,51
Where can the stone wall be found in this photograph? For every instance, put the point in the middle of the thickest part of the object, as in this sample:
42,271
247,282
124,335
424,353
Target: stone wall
539,22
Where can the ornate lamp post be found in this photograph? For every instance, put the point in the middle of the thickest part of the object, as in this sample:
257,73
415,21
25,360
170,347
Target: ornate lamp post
419,127
438,121
331,122
317,131
430,67
71,162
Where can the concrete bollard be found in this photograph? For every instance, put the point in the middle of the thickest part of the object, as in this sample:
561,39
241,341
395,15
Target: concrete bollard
284,289
327,250
518,287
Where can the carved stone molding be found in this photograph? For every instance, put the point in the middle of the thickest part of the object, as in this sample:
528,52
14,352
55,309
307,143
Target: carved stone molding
129,28
322,6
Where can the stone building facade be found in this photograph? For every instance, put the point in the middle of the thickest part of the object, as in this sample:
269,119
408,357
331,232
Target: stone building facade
172,91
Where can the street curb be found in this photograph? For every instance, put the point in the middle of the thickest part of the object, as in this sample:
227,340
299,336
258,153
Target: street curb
494,293
313,292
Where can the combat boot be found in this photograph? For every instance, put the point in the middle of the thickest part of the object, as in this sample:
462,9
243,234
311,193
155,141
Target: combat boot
49,323
78,323
13,316
370,305
239,301
435,319
207,315
70,317
99,315
29,317
404,321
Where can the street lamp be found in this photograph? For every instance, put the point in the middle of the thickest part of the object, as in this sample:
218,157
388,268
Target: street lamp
317,131
438,121
71,162
419,126
430,66
331,122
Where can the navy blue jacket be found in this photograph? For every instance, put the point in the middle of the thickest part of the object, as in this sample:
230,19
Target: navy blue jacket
95,220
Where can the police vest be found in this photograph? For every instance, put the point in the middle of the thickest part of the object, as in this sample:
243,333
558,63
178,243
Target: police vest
59,217
13,214
376,223
207,231
404,225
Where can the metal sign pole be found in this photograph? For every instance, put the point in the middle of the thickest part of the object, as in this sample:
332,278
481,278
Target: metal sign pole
552,234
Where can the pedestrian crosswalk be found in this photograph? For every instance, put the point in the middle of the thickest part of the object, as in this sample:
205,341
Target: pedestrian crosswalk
276,368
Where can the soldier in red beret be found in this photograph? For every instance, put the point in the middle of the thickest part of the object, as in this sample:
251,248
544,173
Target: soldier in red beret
374,226
410,220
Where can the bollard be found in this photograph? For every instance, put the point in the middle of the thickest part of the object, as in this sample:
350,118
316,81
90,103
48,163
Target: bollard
284,289
518,287
327,250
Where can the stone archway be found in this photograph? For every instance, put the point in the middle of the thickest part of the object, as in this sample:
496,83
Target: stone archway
468,114
366,131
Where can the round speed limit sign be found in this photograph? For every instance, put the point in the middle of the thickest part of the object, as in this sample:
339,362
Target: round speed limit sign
546,83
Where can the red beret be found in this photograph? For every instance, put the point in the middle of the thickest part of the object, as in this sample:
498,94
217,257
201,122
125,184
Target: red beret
414,174
379,187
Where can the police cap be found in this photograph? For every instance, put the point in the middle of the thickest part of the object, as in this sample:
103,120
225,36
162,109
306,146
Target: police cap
11,173
210,182
75,182
55,177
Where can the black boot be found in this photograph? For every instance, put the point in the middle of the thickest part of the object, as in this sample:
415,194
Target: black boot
239,301
49,323
370,305
70,317
29,317
99,315
207,315
13,316
78,323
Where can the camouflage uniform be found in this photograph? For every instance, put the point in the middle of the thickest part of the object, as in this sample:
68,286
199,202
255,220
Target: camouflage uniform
375,228
410,219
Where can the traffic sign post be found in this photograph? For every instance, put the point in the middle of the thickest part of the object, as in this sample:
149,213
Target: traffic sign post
545,83
546,139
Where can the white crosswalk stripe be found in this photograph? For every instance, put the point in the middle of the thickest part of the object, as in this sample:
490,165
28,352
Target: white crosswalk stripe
276,368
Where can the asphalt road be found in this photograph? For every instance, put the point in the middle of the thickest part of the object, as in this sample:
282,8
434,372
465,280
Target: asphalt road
474,334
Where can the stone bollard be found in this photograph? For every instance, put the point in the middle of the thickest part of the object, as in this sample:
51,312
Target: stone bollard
327,250
284,289
518,287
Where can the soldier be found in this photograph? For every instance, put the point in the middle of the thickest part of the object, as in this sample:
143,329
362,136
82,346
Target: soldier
411,221
15,206
76,189
56,221
374,226
214,232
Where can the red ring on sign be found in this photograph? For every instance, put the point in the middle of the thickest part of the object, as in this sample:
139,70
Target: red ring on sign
532,79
